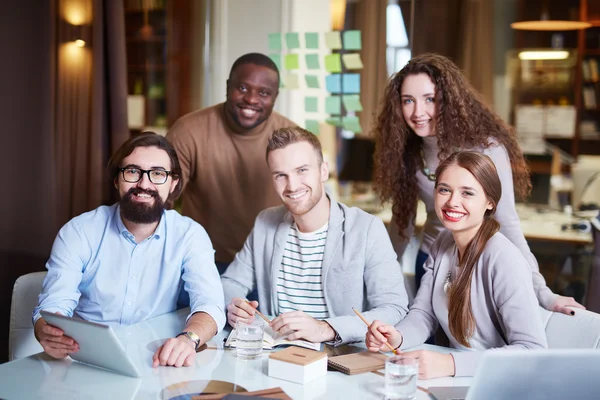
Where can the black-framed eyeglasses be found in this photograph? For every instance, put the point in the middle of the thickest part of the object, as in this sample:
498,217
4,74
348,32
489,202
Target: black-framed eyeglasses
156,176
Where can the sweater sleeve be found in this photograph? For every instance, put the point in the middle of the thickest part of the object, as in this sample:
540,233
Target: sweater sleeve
510,225
181,138
398,241
516,305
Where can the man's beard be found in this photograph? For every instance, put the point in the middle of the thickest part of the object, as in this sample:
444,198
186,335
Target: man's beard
141,213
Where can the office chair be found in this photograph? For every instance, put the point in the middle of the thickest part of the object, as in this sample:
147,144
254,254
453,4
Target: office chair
579,331
21,340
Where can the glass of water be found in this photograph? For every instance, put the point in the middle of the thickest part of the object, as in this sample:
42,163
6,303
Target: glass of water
401,378
249,340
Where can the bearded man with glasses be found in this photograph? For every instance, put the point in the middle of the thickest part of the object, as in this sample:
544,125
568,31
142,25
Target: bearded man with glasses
132,261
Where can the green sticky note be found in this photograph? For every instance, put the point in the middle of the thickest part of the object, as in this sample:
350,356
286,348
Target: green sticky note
292,40
311,104
333,105
335,121
275,41
312,81
312,61
352,40
291,61
352,102
333,63
352,61
276,58
312,40
333,40
291,81
352,124
312,125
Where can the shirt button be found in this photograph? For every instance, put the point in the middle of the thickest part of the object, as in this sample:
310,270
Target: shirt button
133,277
128,303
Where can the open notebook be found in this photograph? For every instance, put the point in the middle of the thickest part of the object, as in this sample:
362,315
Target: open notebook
357,363
272,340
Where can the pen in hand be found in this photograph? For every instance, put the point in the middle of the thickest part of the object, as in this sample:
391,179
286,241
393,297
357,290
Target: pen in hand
367,323
260,314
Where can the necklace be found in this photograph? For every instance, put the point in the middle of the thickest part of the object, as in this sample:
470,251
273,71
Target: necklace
447,283
425,170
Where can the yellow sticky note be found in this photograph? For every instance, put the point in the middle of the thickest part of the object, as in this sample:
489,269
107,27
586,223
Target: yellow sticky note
291,81
333,63
352,61
333,40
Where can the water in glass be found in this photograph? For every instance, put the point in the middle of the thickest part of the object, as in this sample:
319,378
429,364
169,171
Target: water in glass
401,378
249,340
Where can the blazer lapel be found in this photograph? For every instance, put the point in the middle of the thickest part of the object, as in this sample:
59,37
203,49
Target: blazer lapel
280,238
335,234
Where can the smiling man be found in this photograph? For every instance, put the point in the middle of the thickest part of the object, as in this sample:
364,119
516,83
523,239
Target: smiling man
131,261
313,259
221,149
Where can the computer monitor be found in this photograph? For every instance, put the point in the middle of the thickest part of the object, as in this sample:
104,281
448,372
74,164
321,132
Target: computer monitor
357,163
540,166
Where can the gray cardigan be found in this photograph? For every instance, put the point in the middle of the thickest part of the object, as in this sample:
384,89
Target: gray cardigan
359,269
504,305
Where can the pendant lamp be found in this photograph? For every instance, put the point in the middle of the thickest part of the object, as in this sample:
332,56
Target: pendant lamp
547,24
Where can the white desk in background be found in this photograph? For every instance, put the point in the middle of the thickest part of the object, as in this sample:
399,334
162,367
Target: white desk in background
39,376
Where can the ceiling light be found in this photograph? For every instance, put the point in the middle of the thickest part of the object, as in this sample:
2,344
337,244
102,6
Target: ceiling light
544,55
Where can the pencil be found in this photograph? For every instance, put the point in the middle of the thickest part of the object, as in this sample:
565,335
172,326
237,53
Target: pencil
368,324
260,314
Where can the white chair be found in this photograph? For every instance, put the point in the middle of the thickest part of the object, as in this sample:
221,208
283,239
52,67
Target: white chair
21,340
579,331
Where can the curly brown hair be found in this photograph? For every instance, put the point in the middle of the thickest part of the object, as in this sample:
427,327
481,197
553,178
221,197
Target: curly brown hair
463,121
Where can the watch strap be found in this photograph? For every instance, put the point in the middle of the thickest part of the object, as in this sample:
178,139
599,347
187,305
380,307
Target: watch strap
191,336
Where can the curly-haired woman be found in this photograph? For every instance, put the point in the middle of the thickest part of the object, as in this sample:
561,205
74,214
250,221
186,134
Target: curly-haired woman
429,110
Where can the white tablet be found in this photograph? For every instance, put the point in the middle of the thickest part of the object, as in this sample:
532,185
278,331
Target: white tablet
98,344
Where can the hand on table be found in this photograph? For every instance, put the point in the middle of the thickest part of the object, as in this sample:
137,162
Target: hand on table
53,340
299,325
432,364
240,309
379,333
561,304
179,351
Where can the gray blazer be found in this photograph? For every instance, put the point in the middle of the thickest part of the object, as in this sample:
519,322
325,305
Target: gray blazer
359,269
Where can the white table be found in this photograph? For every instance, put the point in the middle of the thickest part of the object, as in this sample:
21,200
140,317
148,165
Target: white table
39,376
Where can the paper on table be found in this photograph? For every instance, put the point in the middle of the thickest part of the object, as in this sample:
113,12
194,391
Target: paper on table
352,40
291,81
312,125
352,61
312,81
310,104
333,40
351,123
530,119
312,61
292,40
333,63
276,58
351,83
352,102
333,83
312,40
560,121
333,105
291,61
275,41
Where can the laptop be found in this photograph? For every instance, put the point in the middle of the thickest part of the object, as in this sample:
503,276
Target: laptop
98,344
531,374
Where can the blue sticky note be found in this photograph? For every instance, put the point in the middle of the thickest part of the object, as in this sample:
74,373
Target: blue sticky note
351,83
312,61
352,40
292,40
275,41
333,83
311,40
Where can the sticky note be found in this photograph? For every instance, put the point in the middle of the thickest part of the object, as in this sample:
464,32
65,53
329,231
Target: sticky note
351,83
312,125
312,81
312,40
275,41
335,121
276,58
292,40
352,102
312,61
291,81
333,83
333,105
291,61
351,123
333,40
352,40
352,61
333,63
310,104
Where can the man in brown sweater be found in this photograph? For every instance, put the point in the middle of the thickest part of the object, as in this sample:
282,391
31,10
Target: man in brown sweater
222,153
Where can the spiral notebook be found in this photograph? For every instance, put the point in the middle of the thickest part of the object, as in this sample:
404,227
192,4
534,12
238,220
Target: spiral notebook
358,363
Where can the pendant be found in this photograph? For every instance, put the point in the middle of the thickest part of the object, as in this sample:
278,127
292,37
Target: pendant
447,283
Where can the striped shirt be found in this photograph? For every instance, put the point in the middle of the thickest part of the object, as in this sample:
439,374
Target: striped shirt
299,281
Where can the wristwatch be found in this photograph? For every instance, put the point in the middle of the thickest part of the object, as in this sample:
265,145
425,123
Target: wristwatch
193,337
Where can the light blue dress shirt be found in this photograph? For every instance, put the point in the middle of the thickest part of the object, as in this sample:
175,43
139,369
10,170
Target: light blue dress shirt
97,271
